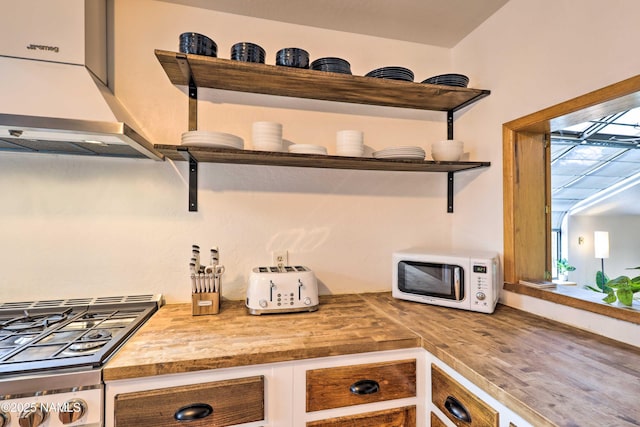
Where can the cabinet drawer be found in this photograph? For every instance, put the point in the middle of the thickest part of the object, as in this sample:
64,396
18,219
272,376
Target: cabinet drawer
357,384
451,397
234,401
398,417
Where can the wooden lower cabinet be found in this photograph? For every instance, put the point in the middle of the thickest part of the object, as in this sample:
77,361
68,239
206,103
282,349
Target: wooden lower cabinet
396,388
214,404
358,384
460,405
454,398
397,417
280,394
383,389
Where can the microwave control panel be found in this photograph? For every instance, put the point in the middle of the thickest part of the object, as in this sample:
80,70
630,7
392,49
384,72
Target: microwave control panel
482,286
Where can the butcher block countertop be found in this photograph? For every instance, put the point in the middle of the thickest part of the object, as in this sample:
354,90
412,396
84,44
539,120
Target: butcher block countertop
174,341
549,373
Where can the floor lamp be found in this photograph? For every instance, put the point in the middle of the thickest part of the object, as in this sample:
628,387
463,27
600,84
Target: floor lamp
601,247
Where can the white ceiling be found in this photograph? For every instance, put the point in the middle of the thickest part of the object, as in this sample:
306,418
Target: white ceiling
434,22
595,165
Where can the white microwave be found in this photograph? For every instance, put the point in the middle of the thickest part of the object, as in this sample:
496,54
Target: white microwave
464,280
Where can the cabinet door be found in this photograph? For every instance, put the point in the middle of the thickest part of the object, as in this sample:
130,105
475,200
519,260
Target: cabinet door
461,406
398,417
358,384
214,404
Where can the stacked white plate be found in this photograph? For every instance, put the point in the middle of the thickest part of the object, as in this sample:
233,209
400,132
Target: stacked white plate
307,149
405,153
350,143
202,138
267,136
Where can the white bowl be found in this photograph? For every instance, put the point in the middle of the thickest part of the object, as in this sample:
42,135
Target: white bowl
446,155
350,133
267,147
449,143
350,152
450,150
267,125
267,139
349,146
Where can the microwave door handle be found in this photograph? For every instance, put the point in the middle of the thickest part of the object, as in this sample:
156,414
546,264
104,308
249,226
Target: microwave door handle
456,282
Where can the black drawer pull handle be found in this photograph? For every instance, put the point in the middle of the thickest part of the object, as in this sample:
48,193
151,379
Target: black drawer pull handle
457,409
365,387
192,412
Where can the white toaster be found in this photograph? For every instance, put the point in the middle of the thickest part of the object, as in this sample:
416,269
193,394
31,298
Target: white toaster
282,290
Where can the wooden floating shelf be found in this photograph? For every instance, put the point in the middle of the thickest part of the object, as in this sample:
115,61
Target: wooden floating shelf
216,73
196,71
272,158
195,155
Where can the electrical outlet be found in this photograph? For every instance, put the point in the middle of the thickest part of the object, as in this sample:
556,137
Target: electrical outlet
280,258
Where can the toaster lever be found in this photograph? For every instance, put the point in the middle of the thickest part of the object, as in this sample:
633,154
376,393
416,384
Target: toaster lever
300,286
271,288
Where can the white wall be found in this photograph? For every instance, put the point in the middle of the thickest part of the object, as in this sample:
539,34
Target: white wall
624,246
532,55
72,226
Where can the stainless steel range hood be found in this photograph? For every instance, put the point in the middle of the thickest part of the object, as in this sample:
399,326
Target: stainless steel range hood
53,92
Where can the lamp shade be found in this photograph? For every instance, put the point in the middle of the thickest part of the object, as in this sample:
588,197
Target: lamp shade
601,244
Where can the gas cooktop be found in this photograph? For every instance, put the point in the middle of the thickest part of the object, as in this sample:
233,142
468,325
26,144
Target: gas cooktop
68,333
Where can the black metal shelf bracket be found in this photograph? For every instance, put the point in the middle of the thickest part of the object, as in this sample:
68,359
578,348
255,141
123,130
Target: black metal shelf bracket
449,124
449,192
193,184
193,163
193,105
449,174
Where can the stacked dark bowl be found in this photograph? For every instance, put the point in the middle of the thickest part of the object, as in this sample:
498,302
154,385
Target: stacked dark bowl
393,73
247,52
292,57
458,80
333,65
197,44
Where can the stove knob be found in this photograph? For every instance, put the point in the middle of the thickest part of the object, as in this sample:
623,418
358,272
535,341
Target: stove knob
5,419
74,410
33,416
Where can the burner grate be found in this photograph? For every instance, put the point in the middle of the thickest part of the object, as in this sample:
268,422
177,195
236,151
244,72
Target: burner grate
49,303
75,302
50,335
125,299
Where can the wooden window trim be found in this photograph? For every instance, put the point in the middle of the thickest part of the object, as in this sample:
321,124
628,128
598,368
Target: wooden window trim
526,166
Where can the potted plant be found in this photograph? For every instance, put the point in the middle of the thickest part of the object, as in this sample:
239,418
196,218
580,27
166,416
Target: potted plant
601,283
622,289
563,269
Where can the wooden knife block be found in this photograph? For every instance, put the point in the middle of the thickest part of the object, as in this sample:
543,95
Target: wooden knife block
203,303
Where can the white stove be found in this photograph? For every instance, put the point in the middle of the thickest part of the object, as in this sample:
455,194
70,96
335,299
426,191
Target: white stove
52,353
